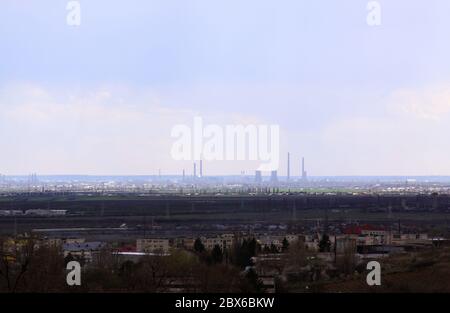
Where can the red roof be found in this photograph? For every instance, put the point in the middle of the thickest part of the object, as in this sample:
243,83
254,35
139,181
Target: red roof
127,249
357,229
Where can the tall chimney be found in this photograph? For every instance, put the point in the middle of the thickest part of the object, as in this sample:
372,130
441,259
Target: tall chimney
303,166
303,169
288,167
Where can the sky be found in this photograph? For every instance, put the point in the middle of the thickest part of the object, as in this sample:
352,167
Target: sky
102,97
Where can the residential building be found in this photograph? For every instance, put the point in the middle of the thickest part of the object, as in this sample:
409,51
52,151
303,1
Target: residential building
153,245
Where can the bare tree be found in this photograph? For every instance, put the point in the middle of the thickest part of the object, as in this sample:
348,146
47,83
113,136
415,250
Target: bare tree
15,259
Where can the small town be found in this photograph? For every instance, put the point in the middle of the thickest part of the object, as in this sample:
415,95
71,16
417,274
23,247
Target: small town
261,262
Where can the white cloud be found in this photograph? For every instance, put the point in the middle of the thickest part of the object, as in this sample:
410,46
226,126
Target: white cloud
120,130
409,139
432,102
105,130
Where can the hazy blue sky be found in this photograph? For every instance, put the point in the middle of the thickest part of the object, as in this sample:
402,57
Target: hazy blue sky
102,98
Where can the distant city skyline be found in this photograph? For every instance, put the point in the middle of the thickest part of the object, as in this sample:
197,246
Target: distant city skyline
101,98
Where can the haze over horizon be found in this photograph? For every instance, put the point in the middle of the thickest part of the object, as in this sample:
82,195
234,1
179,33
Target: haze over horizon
102,98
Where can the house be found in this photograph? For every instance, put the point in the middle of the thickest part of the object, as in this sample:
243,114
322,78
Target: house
409,239
224,241
85,250
367,234
267,242
153,245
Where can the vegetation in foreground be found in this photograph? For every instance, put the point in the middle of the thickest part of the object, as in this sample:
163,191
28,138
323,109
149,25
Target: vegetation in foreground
28,267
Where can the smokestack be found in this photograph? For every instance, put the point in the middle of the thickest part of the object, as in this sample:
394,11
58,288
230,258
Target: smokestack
195,170
184,174
201,168
303,166
303,169
288,166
